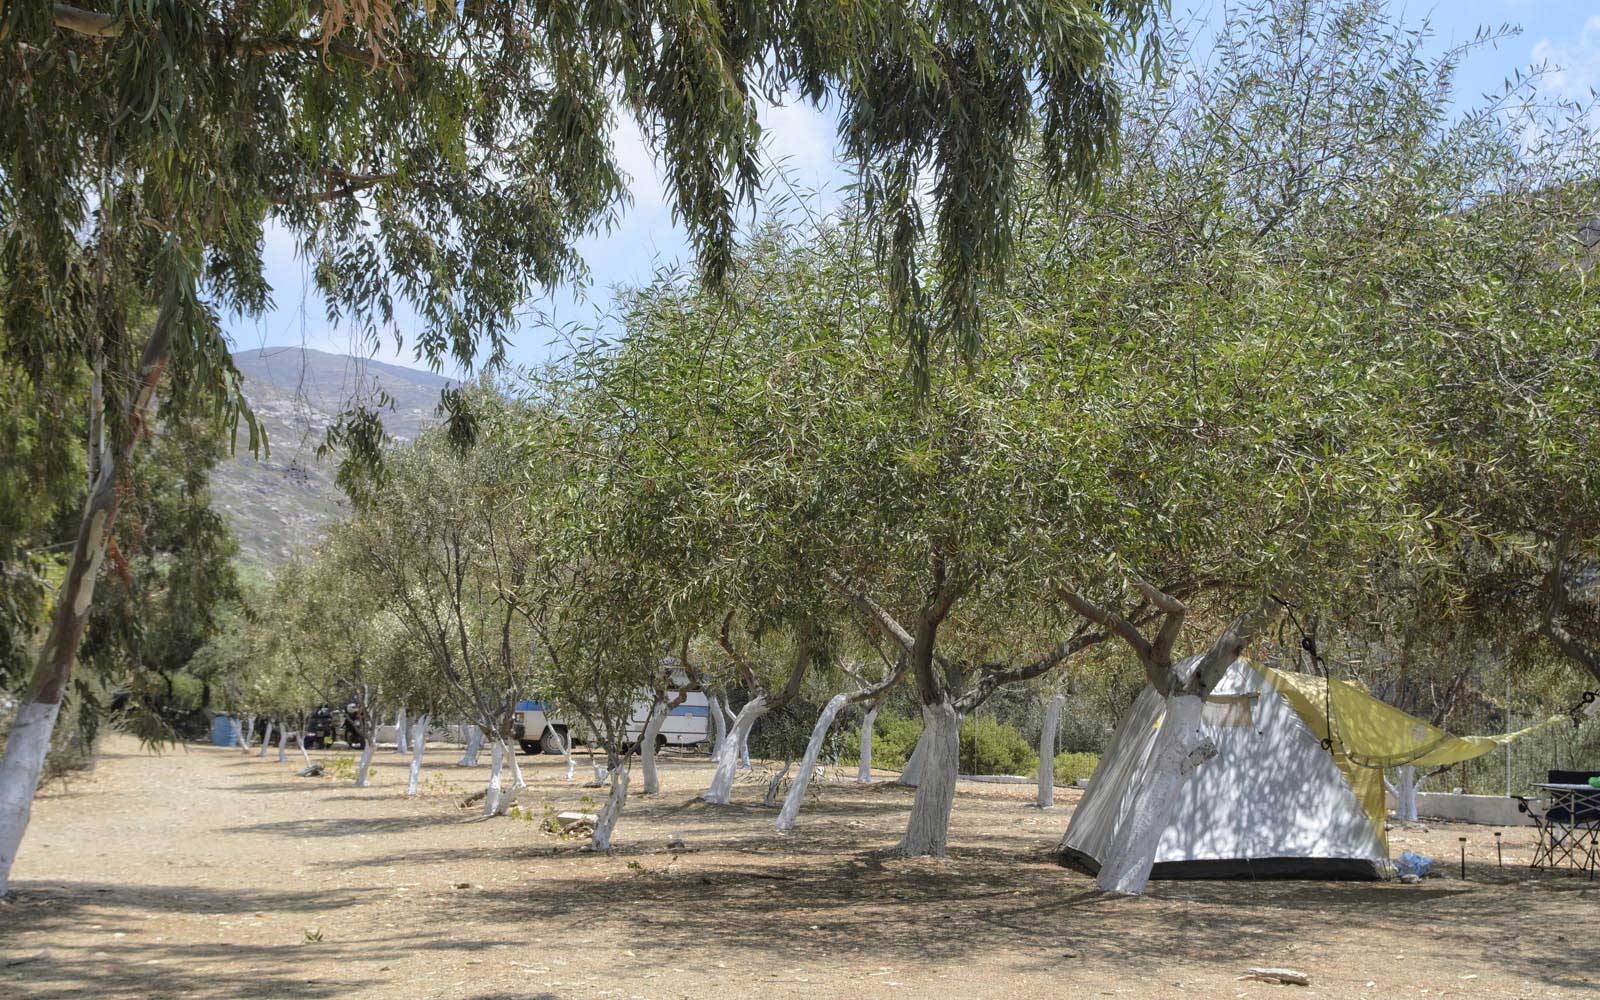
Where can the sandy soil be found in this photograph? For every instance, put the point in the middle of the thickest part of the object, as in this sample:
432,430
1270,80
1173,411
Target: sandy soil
206,873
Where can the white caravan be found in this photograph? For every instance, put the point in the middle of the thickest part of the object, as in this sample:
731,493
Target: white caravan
538,730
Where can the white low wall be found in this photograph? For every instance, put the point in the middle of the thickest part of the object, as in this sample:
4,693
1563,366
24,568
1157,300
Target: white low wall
1490,810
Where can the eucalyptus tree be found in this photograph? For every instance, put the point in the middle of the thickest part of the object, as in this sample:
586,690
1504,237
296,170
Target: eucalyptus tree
449,158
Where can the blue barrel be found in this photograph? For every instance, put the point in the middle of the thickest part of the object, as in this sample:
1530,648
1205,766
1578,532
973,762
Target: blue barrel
224,731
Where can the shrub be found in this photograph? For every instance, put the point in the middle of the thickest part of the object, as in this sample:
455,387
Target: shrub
1071,766
990,747
893,739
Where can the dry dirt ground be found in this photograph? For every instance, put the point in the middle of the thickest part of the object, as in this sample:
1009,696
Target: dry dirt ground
203,872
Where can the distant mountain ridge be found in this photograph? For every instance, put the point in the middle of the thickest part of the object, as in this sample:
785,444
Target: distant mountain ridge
284,499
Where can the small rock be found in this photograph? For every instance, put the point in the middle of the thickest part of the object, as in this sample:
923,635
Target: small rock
1410,878
675,843
311,770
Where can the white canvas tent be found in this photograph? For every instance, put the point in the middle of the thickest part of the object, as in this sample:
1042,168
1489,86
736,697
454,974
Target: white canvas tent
1272,804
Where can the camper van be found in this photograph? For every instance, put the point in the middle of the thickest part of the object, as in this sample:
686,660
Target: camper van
540,730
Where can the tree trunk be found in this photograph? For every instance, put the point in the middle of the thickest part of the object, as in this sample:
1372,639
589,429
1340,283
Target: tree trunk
266,739
1406,786
721,791
1181,746
864,768
300,741
283,745
647,748
566,750
606,821
40,704
516,766
247,733
26,749
419,741
1047,752
928,829
469,758
491,797
400,745
714,709
364,765
808,763
912,773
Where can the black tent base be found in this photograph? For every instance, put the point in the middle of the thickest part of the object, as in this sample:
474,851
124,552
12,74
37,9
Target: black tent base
1323,869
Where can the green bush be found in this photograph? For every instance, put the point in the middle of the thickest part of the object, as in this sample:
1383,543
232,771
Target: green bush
990,747
1072,766
893,739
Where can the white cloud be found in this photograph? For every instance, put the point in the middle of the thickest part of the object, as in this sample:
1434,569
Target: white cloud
1574,64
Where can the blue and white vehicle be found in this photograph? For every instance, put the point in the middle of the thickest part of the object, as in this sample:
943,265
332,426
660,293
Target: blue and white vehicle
540,729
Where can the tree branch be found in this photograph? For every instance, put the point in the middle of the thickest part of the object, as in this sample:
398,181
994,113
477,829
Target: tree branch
871,609
98,25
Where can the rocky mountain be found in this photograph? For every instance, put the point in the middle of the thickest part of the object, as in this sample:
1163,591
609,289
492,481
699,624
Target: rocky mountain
282,499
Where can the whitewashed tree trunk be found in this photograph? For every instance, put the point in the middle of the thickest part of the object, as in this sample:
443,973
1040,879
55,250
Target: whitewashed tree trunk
491,797
1047,752
283,745
266,739
400,745
1181,746
606,821
364,765
808,763
300,741
247,733
419,742
864,768
928,829
566,749
913,769
719,725
516,766
1406,786
20,768
721,791
647,748
469,758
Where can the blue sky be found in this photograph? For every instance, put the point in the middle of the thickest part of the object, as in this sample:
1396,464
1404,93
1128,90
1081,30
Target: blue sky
1563,33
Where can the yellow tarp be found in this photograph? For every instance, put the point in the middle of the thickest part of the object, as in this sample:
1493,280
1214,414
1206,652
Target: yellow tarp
1369,735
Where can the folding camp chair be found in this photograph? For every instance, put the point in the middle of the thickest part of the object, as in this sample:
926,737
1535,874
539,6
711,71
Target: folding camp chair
1569,825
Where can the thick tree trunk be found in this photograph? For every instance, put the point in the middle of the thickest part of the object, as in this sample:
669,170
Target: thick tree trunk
606,821
400,745
647,748
469,758
491,797
721,791
266,739
364,765
1047,752
26,749
928,829
797,791
912,773
40,703
719,725
419,742
1181,746
283,745
864,768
